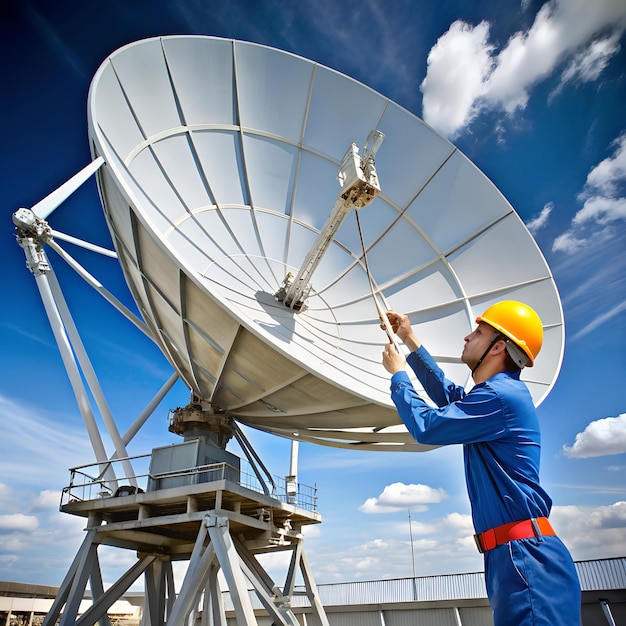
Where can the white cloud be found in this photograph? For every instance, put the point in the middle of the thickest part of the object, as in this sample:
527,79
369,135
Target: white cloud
465,75
5,490
603,196
37,448
398,497
48,499
601,210
607,175
542,219
603,200
600,438
18,522
568,243
41,445
461,523
433,546
592,532
422,528
588,64
458,66
8,561
311,530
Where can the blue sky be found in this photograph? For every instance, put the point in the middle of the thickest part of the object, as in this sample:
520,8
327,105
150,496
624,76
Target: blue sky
534,93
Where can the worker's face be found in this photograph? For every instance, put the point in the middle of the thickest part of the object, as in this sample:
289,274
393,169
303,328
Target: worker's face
476,343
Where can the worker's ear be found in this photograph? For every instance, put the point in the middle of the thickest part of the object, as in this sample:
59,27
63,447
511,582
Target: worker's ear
499,347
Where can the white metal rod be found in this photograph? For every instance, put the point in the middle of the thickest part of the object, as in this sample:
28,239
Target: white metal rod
92,247
91,378
315,255
97,285
149,410
382,314
44,207
196,556
71,367
606,609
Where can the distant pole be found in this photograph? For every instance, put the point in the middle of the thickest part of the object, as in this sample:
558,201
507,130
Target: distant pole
412,550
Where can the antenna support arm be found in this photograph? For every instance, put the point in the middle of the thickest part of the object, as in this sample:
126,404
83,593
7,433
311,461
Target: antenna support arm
359,186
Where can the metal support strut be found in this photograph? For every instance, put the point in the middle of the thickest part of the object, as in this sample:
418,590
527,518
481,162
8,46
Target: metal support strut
359,186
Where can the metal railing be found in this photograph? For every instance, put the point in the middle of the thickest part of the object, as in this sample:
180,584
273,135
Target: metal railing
100,480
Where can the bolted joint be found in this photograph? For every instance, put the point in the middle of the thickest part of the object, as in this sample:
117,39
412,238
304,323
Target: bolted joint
215,521
32,234
36,260
28,224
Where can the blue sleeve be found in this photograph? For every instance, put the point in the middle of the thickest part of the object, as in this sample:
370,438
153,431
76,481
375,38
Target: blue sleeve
439,389
478,416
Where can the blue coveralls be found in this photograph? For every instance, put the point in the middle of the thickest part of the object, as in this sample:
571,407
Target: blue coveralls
529,581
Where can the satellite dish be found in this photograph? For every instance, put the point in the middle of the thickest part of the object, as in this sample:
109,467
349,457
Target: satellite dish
221,164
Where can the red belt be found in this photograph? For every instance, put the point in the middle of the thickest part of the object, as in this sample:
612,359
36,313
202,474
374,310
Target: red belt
494,537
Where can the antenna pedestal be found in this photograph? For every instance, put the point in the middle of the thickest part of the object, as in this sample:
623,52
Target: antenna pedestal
216,525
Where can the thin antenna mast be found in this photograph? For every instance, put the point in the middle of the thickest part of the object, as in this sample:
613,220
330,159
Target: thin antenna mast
412,549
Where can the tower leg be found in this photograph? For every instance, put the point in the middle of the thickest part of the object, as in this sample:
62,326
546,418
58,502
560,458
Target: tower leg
195,579
277,603
99,608
159,594
66,586
311,590
213,613
86,561
97,588
86,565
231,567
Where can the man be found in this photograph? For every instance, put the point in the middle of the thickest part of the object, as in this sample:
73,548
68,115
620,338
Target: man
530,575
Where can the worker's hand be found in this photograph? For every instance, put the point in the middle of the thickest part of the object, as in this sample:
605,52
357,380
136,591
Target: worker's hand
401,325
393,361
394,319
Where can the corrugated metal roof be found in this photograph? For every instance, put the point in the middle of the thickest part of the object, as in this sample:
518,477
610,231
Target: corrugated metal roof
602,574
421,589
596,575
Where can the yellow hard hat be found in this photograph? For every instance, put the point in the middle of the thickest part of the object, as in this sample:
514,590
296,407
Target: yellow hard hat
519,323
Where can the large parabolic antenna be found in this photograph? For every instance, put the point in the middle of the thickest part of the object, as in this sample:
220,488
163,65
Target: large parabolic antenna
221,164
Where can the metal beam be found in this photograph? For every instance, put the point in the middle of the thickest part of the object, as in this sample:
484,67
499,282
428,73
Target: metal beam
231,568
99,608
